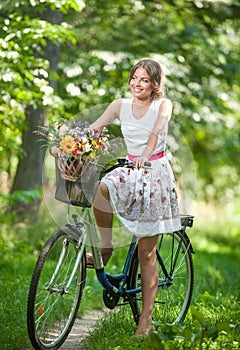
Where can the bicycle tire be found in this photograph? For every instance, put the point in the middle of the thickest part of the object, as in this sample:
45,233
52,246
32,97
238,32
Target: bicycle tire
172,300
51,311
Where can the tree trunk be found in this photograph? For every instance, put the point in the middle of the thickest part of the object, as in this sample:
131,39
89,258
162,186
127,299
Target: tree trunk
29,170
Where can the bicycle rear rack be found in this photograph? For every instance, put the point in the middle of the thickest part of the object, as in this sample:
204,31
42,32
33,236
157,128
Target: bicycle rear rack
187,220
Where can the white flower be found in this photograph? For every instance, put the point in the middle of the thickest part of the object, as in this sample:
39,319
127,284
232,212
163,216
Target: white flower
63,130
84,139
87,147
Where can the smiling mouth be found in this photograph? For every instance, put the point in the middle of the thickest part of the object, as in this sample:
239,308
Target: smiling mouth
137,89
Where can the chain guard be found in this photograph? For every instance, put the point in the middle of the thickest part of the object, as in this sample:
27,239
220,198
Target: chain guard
110,300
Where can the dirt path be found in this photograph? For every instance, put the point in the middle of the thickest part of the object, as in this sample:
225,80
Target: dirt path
80,330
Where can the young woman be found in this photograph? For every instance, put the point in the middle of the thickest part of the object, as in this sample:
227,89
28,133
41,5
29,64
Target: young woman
144,200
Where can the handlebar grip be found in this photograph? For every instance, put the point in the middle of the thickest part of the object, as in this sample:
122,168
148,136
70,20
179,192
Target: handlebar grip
147,164
122,161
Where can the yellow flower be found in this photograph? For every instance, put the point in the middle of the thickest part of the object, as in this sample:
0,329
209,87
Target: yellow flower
95,144
67,144
92,155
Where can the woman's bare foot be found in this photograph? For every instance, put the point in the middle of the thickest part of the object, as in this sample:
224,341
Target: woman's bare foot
106,255
144,328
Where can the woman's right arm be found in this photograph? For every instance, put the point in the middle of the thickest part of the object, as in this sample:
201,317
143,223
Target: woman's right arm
110,113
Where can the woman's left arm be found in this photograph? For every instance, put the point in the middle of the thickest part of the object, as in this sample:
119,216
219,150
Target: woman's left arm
164,115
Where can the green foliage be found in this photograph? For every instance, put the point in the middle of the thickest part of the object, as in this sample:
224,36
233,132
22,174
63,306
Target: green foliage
200,56
21,196
25,73
60,5
99,43
200,334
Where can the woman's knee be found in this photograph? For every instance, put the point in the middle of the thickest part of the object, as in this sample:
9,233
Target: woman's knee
102,192
145,255
101,200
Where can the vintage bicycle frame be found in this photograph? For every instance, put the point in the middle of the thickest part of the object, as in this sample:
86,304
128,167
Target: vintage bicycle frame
87,227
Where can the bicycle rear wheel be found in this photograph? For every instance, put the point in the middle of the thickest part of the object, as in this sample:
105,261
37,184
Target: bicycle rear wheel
52,308
176,278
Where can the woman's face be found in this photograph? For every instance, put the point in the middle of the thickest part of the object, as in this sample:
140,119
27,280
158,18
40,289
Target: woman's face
140,84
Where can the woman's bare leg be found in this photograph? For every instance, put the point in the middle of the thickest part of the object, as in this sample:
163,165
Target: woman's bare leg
149,276
103,214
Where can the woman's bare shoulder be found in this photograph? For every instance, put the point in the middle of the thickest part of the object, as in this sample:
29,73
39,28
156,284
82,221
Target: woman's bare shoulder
166,105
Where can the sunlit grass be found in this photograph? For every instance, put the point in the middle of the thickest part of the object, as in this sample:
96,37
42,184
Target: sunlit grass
215,237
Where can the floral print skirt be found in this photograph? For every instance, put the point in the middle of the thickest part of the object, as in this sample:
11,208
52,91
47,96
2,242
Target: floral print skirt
145,200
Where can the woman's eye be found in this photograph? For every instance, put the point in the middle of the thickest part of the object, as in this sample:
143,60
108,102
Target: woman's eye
144,80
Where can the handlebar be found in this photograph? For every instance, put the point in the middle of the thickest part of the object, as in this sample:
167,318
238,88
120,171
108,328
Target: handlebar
128,163
123,162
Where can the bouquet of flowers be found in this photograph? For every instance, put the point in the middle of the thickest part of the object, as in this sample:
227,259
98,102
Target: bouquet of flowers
75,145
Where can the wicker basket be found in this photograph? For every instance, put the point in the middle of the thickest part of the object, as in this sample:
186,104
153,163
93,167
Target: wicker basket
70,169
76,183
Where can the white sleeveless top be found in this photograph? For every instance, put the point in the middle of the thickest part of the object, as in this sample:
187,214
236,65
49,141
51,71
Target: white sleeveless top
136,132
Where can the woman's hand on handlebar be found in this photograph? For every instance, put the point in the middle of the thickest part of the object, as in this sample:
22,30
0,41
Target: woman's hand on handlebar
139,162
123,162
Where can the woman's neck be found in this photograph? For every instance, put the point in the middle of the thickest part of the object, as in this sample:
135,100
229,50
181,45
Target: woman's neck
144,102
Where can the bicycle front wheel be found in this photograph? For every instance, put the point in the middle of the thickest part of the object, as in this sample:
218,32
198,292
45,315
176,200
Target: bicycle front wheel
175,281
53,301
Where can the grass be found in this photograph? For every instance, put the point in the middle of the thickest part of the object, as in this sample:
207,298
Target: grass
213,323
15,269
20,245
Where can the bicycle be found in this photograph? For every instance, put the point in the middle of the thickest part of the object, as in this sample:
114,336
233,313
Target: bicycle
59,276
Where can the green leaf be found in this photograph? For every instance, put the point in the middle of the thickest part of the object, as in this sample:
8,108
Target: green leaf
197,315
212,332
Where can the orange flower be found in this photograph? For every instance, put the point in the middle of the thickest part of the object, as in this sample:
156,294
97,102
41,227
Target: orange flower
40,310
67,144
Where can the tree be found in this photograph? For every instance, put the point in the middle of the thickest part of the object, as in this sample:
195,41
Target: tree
32,48
197,42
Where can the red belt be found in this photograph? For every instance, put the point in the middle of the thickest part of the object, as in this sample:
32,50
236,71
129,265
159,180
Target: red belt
153,157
